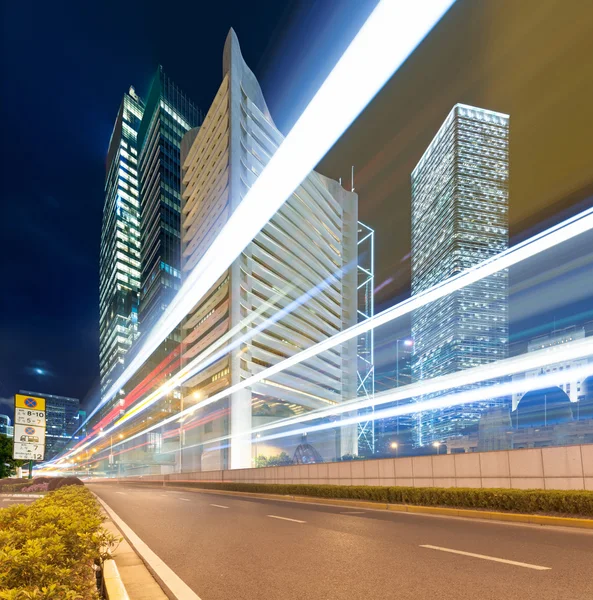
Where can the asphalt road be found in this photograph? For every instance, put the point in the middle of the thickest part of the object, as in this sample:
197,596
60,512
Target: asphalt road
230,548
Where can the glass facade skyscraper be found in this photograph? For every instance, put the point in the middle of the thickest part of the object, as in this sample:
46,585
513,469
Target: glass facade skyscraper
120,242
459,219
140,244
167,117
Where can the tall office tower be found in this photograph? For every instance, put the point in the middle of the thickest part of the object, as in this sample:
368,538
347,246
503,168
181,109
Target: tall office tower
119,281
309,246
459,219
168,115
62,420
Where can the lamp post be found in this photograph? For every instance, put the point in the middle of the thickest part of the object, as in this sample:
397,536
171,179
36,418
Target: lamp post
407,342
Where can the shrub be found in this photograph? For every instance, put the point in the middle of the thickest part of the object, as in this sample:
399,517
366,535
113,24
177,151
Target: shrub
35,487
59,482
43,479
569,502
48,548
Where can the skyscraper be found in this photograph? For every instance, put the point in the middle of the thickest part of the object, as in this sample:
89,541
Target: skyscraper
310,245
119,282
459,219
140,242
168,115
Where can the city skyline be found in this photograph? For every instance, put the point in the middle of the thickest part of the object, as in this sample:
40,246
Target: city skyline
382,160
297,275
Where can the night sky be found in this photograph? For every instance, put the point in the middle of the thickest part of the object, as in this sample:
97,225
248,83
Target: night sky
65,66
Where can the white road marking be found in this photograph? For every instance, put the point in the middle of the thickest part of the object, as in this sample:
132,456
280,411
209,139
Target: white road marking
354,512
176,585
286,519
185,499
122,493
492,558
219,506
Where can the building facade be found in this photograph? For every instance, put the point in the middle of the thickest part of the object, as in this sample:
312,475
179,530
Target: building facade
309,248
62,417
5,427
459,219
574,386
120,257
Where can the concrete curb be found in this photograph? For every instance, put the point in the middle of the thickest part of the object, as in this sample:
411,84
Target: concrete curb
409,508
135,581
114,586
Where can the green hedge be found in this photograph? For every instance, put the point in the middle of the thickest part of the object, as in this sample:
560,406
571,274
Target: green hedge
48,548
573,502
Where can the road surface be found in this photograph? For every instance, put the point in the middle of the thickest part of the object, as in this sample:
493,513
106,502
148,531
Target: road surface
229,548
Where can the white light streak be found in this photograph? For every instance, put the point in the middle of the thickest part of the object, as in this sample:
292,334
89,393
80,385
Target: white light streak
575,350
544,241
387,38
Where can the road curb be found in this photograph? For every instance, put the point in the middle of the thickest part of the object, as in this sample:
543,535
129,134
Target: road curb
140,582
155,580
114,586
412,508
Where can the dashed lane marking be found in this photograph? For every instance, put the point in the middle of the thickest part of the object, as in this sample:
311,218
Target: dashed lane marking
492,558
285,519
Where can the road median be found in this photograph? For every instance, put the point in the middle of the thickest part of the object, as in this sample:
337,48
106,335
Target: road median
542,507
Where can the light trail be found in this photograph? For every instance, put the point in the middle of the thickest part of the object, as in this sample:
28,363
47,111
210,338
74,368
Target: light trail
546,240
575,350
487,393
389,35
207,357
485,373
528,249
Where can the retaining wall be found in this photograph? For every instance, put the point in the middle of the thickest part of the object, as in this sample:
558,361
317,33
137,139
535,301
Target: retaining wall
557,468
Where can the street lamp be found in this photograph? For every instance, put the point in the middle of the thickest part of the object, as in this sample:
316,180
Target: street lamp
408,343
394,446
437,445
257,436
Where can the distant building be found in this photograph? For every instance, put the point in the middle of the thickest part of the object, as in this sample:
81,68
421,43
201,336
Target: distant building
119,266
62,420
5,427
459,219
573,386
310,244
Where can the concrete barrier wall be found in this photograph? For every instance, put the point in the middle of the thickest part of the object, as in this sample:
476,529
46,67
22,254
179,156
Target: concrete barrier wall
558,468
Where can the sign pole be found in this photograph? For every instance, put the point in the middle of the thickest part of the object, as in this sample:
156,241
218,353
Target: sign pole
30,469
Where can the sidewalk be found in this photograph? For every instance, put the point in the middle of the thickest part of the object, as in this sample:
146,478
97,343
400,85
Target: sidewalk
137,579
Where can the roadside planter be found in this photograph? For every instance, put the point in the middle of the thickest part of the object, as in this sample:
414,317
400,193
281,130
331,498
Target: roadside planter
49,549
